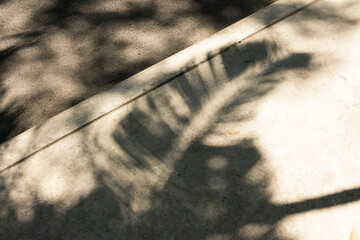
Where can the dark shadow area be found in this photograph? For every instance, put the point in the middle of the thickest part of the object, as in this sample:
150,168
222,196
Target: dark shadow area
8,118
206,192
11,115
224,13
208,195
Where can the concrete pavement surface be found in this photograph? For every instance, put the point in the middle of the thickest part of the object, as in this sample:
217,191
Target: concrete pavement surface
57,53
258,142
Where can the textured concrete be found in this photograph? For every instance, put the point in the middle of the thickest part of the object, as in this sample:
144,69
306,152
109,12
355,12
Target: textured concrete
259,142
57,53
70,120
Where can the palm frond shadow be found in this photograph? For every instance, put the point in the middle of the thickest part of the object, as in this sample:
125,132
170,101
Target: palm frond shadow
188,164
206,193
185,177
75,49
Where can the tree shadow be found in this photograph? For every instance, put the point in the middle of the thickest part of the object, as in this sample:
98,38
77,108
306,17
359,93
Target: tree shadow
75,49
189,163
207,195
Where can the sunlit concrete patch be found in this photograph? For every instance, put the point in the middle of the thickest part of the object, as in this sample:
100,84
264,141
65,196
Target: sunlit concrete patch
342,218
303,115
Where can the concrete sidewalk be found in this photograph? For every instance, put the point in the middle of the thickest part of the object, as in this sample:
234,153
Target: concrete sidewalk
260,141
55,54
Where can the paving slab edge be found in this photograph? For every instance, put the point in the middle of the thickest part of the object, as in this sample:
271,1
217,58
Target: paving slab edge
56,128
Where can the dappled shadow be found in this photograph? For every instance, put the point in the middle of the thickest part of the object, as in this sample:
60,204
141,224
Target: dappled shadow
8,118
75,49
178,164
207,195
224,13
72,50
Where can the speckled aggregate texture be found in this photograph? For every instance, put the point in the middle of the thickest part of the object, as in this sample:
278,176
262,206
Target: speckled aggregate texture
259,142
57,53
